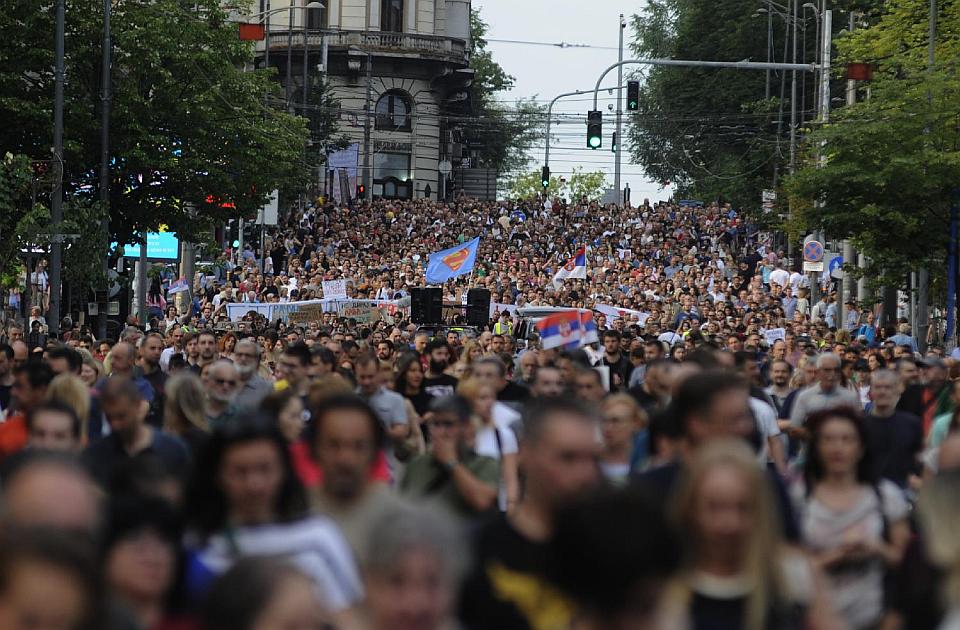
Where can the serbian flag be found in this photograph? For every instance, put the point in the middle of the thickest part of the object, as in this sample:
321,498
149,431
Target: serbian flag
560,330
589,328
453,262
179,286
576,267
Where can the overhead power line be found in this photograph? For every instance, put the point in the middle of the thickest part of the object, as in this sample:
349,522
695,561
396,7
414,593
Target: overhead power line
553,44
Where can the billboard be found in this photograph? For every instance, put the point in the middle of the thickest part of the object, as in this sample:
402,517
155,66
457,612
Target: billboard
160,246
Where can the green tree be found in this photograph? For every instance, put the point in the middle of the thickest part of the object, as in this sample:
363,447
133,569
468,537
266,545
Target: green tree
587,185
892,161
504,132
709,131
528,185
321,114
17,179
581,184
188,123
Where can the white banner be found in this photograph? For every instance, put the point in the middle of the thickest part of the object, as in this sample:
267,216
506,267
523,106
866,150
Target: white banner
283,310
335,288
615,312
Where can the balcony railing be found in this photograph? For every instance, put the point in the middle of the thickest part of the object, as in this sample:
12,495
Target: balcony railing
376,41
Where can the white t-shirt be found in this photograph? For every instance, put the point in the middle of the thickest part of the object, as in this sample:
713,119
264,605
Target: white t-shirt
486,444
313,544
766,417
856,593
780,276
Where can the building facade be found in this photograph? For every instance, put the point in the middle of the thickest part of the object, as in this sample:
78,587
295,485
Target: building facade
398,70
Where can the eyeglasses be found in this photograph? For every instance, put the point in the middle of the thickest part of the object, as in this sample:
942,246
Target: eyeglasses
443,424
224,381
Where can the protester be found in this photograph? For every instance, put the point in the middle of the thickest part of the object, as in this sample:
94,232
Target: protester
412,570
48,579
451,474
263,592
854,524
54,426
130,435
244,499
346,439
490,440
558,460
737,572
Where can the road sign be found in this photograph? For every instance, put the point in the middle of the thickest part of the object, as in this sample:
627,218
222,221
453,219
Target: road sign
836,267
813,252
814,267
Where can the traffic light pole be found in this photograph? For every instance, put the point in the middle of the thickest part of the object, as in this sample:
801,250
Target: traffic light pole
736,65
616,168
546,150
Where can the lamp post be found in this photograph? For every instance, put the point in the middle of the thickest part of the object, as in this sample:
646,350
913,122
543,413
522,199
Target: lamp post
105,150
306,49
56,199
616,170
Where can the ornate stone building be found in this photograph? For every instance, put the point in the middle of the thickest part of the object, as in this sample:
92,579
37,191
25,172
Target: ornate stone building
407,59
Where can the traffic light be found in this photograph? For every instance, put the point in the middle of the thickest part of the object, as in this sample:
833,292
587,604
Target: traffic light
545,177
633,96
613,145
361,189
594,129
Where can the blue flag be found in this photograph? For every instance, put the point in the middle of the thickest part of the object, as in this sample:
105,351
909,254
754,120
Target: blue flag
452,262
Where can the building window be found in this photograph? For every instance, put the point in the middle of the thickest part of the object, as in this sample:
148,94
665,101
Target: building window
393,111
316,18
391,172
391,16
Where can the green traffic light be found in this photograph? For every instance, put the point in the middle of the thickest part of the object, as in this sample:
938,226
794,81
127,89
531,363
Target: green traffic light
594,142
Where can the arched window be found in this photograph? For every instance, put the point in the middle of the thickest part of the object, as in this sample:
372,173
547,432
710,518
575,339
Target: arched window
394,111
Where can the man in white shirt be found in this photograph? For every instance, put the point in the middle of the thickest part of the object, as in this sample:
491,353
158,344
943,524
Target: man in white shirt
779,276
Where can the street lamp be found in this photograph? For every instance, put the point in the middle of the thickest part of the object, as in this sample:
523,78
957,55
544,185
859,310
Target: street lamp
816,76
266,47
306,51
289,85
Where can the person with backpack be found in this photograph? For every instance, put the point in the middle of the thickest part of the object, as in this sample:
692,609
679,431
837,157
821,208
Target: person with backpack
853,523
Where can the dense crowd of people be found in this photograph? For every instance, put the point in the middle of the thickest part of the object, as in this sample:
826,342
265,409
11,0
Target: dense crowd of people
725,455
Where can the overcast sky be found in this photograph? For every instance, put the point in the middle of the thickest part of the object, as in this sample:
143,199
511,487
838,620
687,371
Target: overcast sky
546,71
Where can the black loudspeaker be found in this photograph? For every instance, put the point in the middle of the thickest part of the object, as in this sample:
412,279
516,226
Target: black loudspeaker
478,307
426,306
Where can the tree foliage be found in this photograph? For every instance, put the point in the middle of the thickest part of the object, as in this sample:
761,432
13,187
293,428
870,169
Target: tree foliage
504,132
16,182
892,161
188,122
711,132
580,185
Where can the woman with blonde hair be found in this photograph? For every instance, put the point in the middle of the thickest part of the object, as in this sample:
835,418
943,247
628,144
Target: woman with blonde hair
74,393
736,571
624,428
471,352
183,410
492,441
